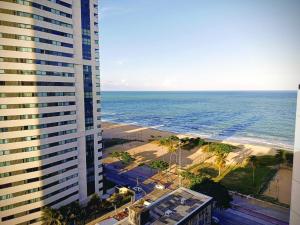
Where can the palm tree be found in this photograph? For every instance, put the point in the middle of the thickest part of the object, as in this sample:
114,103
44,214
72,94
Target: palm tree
221,150
94,205
280,156
159,165
221,162
172,143
52,216
253,161
71,213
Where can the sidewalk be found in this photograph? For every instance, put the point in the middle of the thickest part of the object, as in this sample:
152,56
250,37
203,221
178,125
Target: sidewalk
261,209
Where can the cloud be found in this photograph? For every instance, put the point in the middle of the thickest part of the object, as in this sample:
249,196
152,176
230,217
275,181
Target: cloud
121,62
122,84
106,11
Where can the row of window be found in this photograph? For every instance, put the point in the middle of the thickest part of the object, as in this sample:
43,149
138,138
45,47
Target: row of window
90,168
36,72
35,39
34,27
12,206
36,137
35,94
37,210
37,148
35,50
37,83
35,105
36,61
30,191
37,158
86,29
39,126
34,169
39,6
88,97
36,17
61,3
36,116
35,179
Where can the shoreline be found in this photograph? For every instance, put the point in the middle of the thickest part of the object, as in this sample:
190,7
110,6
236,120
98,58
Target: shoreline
234,140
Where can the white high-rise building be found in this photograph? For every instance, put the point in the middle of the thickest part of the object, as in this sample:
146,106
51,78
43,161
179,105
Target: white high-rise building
295,199
50,132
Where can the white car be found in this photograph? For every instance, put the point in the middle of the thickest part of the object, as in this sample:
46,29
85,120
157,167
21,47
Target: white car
160,186
137,189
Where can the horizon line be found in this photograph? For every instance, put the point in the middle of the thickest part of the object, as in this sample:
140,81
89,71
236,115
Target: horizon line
286,90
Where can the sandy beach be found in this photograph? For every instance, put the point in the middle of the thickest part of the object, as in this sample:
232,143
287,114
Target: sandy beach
148,134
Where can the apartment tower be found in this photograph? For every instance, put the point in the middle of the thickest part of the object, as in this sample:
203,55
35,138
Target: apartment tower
295,199
50,132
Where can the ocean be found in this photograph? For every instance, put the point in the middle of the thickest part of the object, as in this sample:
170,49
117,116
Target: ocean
256,117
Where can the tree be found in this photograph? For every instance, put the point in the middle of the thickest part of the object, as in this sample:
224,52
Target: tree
51,216
116,199
221,150
127,158
70,213
289,158
191,177
280,156
94,203
253,162
213,189
172,143
190,143
159,165
221,162
115,155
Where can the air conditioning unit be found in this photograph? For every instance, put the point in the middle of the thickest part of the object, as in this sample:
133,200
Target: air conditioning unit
168,212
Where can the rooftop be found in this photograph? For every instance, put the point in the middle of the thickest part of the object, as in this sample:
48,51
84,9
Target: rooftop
172,208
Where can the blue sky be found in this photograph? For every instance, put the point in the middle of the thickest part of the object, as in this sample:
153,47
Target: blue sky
200,44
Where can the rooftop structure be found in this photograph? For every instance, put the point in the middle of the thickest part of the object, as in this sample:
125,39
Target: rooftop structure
178,207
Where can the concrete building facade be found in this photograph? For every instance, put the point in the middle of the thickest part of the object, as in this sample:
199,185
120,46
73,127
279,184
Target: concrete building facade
295,199
50,130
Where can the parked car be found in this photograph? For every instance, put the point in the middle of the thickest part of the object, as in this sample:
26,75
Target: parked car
148,202
160,186
137,189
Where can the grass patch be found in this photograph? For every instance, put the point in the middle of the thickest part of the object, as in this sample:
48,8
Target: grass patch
267,160
241,179
208,171
107,143
204,169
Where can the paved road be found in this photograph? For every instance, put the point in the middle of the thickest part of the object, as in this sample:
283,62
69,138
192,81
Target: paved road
129,178
231,217
245,212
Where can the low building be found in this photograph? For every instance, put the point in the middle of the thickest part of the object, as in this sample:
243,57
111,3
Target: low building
182,206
